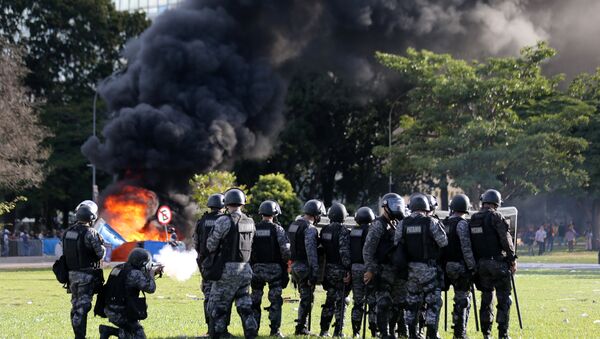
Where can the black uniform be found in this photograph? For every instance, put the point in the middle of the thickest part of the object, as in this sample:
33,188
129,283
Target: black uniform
361,292
270,254
83,249
203,228
335,239
494,251
459,266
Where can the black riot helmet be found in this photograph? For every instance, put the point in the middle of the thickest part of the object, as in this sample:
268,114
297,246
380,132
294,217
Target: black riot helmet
364,215
394,205
139,258
460,203
269,207
314,208
86,211
433,204
491,196
337,212
418,202
216,201
234,196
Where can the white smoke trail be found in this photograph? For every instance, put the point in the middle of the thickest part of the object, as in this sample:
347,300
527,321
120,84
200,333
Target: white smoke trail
179,265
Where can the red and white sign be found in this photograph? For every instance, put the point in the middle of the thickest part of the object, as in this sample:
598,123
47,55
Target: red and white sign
164,215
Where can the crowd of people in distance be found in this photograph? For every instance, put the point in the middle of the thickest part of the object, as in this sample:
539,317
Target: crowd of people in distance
547,235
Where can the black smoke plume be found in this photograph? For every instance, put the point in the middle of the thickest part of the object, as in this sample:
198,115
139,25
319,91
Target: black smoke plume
205,83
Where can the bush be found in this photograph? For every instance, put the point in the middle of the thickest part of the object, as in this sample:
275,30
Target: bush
277,188
204,185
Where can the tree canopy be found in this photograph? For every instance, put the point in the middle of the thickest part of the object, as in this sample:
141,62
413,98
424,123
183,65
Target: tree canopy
21,152
499,123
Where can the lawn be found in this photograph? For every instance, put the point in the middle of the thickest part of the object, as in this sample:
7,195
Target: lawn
555,304
559,255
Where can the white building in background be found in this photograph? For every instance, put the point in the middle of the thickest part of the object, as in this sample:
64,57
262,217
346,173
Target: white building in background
152,8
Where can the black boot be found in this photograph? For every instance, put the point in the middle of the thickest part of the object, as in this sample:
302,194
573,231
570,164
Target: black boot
373,329
301,330
503,333
107,331
432,332
402,328
413,332
325,324
486,330
356,328
275,333
392,328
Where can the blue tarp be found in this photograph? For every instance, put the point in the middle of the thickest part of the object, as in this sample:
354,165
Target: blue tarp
154,246
109,234
49,244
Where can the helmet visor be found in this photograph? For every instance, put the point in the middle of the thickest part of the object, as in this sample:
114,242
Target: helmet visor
396,205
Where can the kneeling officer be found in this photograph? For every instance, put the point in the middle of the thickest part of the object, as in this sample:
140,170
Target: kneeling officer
123,306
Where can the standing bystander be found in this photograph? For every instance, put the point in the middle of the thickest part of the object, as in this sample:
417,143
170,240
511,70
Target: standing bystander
540,239
550,232
570,236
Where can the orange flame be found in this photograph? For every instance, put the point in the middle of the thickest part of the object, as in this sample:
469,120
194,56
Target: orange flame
128,212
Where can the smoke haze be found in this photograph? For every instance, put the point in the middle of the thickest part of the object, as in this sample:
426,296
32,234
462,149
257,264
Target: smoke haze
178,265
206,82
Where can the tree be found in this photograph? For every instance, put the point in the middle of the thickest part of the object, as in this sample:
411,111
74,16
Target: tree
586,87
277,188
204,185
7,206
500,123
21,152
69,46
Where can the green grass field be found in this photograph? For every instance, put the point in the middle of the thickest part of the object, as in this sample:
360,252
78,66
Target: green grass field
559,255
555,304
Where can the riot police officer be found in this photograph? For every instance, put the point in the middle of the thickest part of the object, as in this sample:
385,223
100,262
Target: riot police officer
83,249
421,237
496,261
231,243
460,263
335,239
123,307
270,254
361,292
204,226
433,205
377,254
303,237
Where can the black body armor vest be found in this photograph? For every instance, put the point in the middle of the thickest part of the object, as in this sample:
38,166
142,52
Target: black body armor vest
330,238
296,233
385,248
78,256
418,240
265,248
237,245
358,236
203,229
484,239
453,252
115,291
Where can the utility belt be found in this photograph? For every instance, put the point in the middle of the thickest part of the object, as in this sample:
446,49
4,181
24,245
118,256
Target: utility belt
428,262
494,257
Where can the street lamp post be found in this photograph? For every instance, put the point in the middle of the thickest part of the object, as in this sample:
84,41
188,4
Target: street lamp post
94,186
